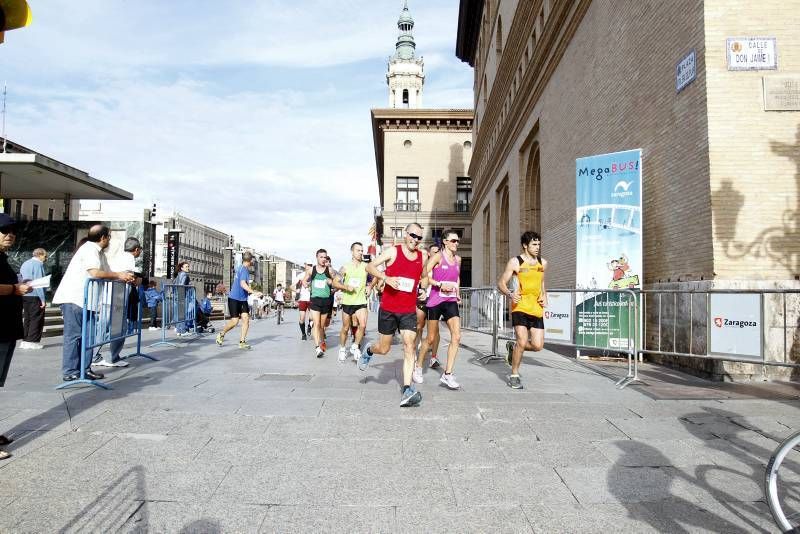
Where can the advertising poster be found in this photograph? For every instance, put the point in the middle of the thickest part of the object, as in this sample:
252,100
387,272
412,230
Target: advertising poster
609,245
736,325
558,317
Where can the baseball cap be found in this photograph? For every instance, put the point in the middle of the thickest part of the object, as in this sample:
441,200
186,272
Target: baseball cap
7,221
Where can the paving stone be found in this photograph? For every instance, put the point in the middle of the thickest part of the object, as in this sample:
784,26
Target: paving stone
588,519
466,519
620,484
679,515
282,407
333,519
553,453
660,453
564,429
508,485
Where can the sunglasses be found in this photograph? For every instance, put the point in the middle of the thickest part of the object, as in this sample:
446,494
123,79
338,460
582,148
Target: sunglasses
456,241
415,236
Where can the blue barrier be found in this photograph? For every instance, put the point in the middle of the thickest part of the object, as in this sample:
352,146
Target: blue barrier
177,309
105,320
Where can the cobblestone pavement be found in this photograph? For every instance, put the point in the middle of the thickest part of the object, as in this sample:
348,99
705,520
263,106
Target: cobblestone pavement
212,439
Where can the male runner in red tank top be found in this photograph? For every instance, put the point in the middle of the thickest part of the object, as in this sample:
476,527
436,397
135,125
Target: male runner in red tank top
399,305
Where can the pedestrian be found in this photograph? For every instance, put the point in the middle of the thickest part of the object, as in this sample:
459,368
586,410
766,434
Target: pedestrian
402,277
237,302
528,300
125,262
33,304
152,297
88,262
444,279
11,294
182,279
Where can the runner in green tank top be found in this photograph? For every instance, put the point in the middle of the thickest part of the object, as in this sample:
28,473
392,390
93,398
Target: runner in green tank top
320,278
354,301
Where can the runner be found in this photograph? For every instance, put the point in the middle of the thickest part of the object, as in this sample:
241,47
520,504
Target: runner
237,302
353,277
444,277
397,312
278,296
321,279
332,315
528,299
303,304
422,317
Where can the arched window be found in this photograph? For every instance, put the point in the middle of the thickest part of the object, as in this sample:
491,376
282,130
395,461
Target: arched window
502,253
531,195
498,45
487,245
405,98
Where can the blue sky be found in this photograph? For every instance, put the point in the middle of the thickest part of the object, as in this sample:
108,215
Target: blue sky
250,116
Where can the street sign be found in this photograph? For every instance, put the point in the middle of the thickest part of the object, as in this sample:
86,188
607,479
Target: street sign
685,71
752,53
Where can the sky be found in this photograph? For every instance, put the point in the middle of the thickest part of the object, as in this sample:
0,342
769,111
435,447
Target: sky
250,116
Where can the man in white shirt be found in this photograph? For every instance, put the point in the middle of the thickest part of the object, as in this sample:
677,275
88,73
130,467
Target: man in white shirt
89,261
125,262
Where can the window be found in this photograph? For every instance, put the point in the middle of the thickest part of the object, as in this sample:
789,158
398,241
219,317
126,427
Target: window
436,233
397,232
405,98
18,210
499,37
459,232
407,194
35,215
50,213
463,193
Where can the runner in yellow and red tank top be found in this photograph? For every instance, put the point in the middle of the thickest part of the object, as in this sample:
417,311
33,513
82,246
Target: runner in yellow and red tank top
528,300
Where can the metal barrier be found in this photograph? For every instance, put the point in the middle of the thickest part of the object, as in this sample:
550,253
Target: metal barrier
745,326
603,320
105,320
178,309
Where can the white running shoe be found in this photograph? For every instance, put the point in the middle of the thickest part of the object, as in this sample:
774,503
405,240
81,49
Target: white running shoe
416,376
106,363
35,346
449,381
342,354
355,352
24,345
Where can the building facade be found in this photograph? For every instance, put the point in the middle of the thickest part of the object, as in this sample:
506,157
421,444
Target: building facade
557,80
422,157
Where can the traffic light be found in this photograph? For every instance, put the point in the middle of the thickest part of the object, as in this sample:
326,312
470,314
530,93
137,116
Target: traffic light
14,14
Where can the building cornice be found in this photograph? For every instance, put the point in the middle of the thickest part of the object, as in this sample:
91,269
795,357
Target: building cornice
469,27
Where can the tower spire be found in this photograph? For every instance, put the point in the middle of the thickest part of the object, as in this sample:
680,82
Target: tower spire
406,71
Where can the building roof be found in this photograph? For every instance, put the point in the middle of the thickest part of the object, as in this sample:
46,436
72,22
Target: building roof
469,27
25,173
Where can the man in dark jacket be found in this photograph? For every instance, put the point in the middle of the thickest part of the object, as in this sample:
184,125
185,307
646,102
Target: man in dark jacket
11,292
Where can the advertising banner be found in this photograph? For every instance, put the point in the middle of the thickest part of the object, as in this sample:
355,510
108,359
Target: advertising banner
558,317
609,244
735,324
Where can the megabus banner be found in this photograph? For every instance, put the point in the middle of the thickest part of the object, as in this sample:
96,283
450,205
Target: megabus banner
609,244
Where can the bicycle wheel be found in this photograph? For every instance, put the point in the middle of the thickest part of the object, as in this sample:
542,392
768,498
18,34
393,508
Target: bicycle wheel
778,491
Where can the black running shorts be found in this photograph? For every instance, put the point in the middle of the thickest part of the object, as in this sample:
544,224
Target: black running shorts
444,310
528,321
389,323
321,305
237,307
351,309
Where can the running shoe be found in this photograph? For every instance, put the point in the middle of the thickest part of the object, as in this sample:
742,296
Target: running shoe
434,363
514,382
106,363
319,352
244,345
342,354
355,352
220,338
304,337
363,361
411,397
509,351
449,381
416,376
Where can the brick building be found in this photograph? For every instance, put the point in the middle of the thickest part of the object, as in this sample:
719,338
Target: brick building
557,80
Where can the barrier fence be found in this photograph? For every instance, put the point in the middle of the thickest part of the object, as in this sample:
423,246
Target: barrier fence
748,326
108,317
178,309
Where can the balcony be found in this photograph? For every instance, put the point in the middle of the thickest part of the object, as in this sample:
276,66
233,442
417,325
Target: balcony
407,206
461,207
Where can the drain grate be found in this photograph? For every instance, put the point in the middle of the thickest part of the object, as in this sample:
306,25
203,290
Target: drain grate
279,377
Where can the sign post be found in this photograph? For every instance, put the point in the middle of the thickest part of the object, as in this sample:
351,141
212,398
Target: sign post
173,252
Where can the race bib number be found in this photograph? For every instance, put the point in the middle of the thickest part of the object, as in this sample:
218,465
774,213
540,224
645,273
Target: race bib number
354,282
320,284
448,289
405,285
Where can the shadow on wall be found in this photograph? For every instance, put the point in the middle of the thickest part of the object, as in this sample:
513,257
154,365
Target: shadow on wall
779,244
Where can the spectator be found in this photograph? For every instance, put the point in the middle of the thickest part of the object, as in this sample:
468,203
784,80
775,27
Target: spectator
33,304
126,262
206,306
182,279
11,293
152,297
89,261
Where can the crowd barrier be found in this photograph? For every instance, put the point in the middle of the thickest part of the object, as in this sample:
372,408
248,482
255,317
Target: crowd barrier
596,320
178,309
759,327
105,320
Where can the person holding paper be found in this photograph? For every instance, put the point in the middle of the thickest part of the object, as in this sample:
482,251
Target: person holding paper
33,304
11,293
398,309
